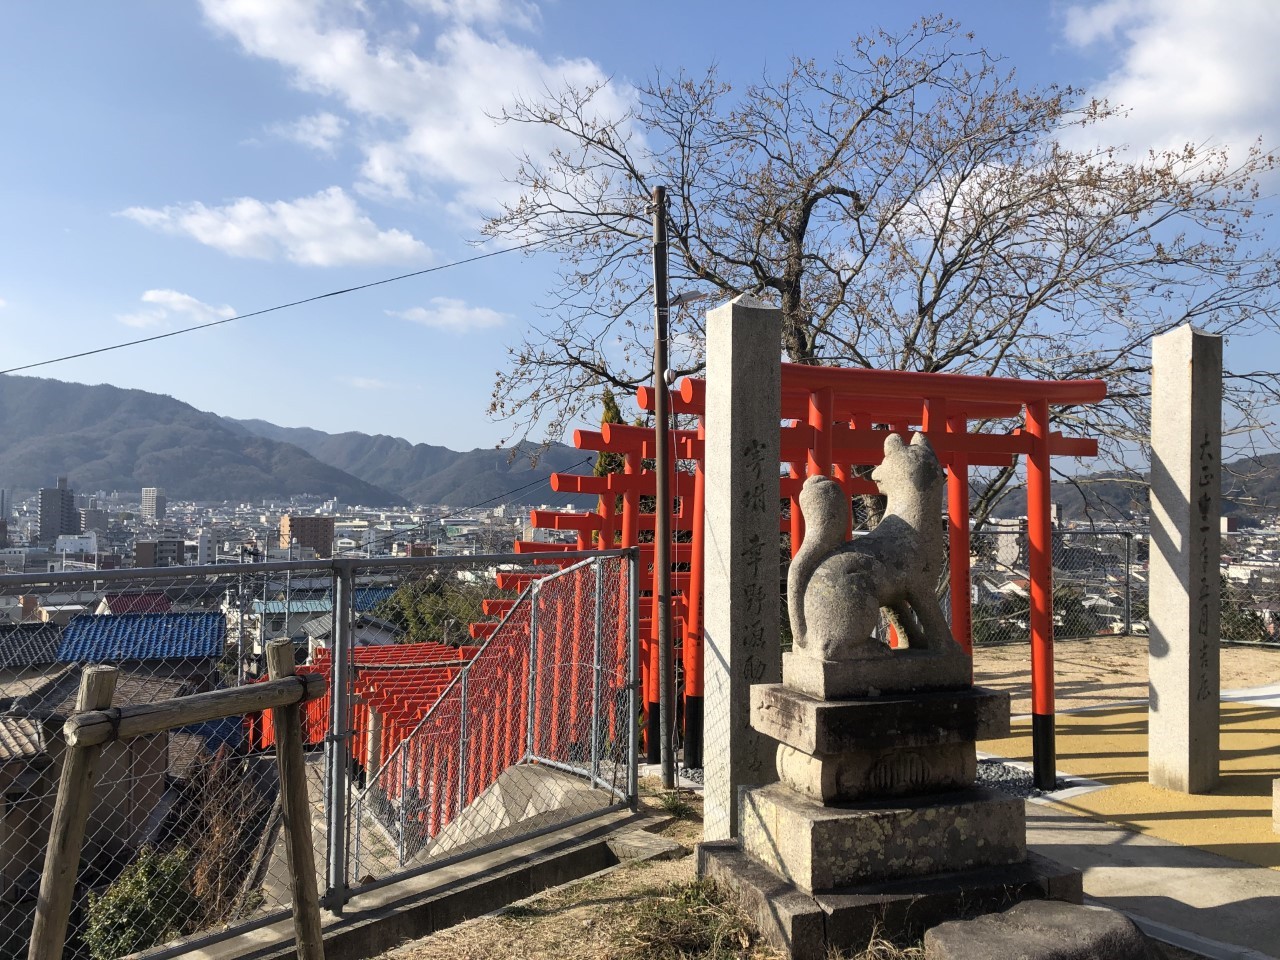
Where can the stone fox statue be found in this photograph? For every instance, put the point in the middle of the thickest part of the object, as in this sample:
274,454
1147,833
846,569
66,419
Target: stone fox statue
835,588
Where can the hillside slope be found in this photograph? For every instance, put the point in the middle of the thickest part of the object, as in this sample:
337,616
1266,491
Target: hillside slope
106,438
422,473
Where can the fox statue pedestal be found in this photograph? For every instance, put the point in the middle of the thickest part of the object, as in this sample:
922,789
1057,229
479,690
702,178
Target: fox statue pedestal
875,825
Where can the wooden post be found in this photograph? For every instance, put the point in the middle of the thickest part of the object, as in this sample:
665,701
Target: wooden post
66,836
297,810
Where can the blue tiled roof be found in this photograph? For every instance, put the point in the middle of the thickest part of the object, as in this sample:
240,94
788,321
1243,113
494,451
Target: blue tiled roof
295,606
143,636
366,598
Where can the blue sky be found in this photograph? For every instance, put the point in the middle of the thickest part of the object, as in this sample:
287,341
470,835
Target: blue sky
172,162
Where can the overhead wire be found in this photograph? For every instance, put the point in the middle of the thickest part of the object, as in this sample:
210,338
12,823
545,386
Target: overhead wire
266,310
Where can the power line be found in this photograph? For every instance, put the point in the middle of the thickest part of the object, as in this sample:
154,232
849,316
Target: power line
258,313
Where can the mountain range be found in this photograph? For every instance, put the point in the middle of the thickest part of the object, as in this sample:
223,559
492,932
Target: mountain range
1250,491
107,438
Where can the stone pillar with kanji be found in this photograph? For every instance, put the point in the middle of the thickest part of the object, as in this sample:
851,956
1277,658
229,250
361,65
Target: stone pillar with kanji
742,561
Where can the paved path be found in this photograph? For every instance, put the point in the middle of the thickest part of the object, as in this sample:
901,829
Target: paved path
1217,907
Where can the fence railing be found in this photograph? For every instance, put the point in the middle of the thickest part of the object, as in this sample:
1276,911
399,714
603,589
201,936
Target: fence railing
1100,579
184,843
536,730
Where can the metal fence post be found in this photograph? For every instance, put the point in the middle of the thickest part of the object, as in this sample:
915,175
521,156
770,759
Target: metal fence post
1128,582
633,678
595,677
531,741
462,740
404,800
356,816
338,765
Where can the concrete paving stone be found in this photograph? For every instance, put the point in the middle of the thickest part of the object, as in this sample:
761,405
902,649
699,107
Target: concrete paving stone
1216,906
642,845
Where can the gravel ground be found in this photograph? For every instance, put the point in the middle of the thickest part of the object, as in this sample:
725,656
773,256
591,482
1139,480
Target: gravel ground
1009,779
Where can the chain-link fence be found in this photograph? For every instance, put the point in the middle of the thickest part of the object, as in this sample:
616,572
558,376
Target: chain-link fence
533,732
1251,587
185,839
1100,585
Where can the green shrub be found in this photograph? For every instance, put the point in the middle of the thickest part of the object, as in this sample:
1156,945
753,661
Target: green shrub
147,904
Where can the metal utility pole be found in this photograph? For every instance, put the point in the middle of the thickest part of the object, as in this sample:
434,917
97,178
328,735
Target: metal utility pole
662,498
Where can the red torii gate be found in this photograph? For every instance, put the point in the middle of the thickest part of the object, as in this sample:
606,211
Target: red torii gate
832,420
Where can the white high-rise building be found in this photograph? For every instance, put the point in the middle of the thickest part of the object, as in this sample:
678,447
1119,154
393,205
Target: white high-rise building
204,546
153,503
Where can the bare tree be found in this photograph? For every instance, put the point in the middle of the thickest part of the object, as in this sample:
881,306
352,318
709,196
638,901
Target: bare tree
908,207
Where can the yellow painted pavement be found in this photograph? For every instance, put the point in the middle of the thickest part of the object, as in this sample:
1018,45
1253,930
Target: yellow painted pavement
1110,746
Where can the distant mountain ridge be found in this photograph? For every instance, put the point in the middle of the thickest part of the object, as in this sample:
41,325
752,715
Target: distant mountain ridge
1250,491
422,473
108,438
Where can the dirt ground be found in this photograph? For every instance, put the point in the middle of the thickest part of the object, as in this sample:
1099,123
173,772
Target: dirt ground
618,915
1106,670
600,917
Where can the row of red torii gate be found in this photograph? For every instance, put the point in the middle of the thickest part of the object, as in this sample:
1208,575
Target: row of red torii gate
832,421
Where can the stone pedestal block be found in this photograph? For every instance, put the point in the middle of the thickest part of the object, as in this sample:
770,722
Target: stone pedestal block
806,927
898,672
888,746
883,772
818,726
819,847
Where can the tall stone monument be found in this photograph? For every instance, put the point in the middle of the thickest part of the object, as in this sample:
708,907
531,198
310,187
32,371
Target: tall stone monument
743,568
1186,470
876,823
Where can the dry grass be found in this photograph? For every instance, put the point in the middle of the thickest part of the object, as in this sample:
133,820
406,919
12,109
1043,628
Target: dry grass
654,910
881,949
657,909
686,919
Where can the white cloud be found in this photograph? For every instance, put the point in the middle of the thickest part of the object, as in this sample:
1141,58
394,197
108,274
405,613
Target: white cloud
319,131
324,230
1189,71
1084,25
3,304
425,108
448,313
170,305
